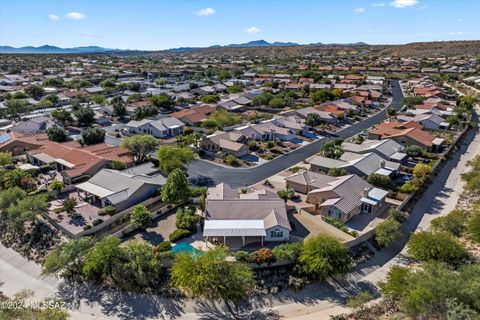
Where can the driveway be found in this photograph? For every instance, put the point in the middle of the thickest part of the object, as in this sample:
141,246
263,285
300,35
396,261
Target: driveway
249,176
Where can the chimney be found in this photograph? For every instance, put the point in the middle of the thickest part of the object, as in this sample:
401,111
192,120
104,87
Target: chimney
382,164
365,192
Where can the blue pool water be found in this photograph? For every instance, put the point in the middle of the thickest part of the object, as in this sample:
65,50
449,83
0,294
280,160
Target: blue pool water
185,248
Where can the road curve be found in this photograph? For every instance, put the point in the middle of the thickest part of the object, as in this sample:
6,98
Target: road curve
237,177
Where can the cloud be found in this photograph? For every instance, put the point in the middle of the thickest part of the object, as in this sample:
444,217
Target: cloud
378,4
359,10
53,17
459,33
205,12
403,3
75,16
252,29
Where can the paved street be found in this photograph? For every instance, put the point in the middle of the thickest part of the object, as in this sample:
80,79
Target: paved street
242,177
315,302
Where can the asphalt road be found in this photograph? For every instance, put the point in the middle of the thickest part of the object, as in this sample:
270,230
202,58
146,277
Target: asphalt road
237,177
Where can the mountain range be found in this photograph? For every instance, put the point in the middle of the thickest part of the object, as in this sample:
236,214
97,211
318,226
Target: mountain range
47,49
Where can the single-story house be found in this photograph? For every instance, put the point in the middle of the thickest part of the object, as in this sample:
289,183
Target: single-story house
160,128
347,196
122,189
230,142
429,121
388,149
236,219
356,163
406,133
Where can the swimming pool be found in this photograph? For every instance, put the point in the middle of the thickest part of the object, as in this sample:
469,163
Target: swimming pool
183,247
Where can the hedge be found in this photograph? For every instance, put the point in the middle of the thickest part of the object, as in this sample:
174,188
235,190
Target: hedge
178,235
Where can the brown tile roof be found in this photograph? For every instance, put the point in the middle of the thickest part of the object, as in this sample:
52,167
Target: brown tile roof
410,129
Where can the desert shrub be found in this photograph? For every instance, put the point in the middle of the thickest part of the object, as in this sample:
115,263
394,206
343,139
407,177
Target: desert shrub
179,234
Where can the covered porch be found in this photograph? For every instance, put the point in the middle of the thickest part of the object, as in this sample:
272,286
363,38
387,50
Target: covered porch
234,233
87,190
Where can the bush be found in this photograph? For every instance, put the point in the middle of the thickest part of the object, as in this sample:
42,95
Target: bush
337,172
287,251
231,160
473,227
286,194
110,210
164,246
397,215
186,219
87,227
339,225
436,246
178,235
379,180
242,256
96,222
387,232
262,256
453,223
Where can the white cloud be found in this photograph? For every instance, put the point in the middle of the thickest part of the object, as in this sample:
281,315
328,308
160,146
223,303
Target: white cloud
75,16
205,12
359,10
53,17
459,33
378,4
252,29
403,3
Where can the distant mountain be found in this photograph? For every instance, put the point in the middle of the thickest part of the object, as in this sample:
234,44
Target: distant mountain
46,49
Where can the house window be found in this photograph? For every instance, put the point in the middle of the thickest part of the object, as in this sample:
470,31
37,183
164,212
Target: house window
277,233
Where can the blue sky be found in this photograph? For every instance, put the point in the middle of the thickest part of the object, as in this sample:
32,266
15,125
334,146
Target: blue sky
161,24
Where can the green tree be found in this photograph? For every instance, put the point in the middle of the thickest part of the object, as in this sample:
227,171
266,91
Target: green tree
422,171
119,109
286,194
162,101
453,223
186,219
210,98
62,116
436,246
391,112
231,160
323,96
35,91
332,149
57,134
69,257
236,88
141,217
141,145
108,83
174,157
276,102
411,101
25,210
5,158
68,205
85,116
117,165
176,188
313,120
56,185
212,277
428,293
93,136
379,180
141,113
414,151
323,256
102,259
11,196
387,232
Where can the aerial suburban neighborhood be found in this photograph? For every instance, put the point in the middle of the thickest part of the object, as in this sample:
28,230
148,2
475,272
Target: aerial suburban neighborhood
260,180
